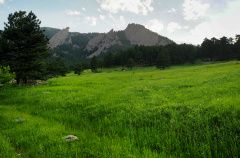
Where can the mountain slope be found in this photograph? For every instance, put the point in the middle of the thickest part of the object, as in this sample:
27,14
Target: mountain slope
139,35
86,45
134,34
102,42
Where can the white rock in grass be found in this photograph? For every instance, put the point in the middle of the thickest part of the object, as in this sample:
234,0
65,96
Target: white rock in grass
19,120
70,138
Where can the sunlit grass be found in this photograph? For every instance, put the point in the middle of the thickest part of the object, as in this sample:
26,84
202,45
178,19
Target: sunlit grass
183,111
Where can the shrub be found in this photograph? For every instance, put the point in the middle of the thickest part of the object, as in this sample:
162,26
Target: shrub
5,75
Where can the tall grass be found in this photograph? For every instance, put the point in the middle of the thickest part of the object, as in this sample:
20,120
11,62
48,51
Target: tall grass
184,111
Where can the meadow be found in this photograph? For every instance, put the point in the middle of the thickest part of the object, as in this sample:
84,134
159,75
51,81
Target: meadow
183,111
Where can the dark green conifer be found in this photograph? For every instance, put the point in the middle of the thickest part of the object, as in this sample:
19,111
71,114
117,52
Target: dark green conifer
24,46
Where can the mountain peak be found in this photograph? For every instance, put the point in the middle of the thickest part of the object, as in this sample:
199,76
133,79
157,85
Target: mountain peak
139,35
133,25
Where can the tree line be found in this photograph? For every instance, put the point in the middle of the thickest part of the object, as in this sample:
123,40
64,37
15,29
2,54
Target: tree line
223,49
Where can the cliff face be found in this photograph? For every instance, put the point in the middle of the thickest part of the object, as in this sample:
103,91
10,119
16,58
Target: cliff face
62,37
139,35
102,42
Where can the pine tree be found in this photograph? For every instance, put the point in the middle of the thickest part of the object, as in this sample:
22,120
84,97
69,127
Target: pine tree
24,46
78,69
130,63
163,60
94,64
55,67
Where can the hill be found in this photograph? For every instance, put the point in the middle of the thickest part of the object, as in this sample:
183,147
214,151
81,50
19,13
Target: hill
98,44
184,111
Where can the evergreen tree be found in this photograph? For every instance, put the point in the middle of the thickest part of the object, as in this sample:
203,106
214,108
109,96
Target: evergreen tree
94,64
163,60
78,69
55,67
108,60
24,46
225,49
237,47
130,63
85,65
100,63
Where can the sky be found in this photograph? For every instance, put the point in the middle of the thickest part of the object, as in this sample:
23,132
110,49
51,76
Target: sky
183,21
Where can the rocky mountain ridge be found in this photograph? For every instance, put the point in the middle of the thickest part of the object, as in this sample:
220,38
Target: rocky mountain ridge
100,43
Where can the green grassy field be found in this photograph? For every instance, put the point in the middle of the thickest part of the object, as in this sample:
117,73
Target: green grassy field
183,111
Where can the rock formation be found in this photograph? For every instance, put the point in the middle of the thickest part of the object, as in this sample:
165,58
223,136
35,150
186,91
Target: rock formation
62,37
94,44
102,42
139,35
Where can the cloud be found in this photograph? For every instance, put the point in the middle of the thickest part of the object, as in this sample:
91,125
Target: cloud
134,6
99,10
194,9
222,24
172,10
172,27
92,21
122,19
102,17
117,21
1,1
155,25
70,12
84,9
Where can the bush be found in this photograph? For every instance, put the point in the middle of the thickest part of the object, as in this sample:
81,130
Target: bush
78,69
5,75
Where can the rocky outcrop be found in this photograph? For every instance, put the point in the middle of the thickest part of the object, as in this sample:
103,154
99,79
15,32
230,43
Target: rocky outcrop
62,37
102,42
97,43
135,33
139,35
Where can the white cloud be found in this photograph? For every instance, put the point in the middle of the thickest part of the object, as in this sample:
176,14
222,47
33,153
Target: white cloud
194,9
172,10
134,6
70,12
102,17
155,25
185,27
99,10
222,24
1,1
92,21
84,9
172,27
122,19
